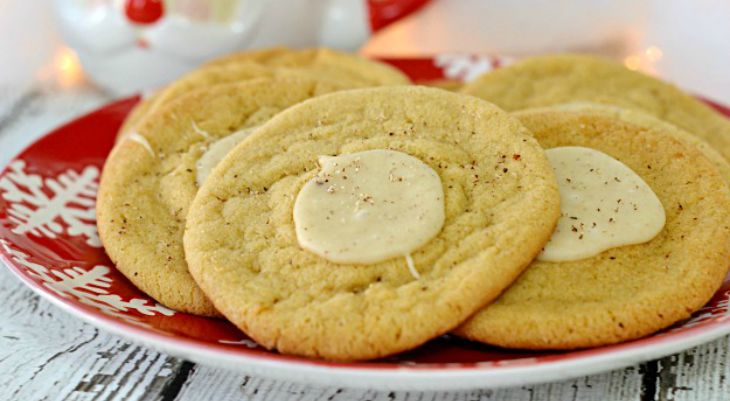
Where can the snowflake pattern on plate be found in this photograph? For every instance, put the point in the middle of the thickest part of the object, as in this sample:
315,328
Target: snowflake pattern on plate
90,287
46,207
463,67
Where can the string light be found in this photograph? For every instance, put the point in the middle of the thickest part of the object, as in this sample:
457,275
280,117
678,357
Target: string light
64,69
653,54
644,60
632,62
69,67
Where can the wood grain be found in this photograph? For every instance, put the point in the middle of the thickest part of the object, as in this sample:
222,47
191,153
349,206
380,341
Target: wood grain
46,354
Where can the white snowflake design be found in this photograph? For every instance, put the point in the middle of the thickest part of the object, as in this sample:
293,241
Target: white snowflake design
463,67
89,287
46,207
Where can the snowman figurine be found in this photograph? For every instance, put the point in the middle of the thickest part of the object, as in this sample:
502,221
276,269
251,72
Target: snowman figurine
130,45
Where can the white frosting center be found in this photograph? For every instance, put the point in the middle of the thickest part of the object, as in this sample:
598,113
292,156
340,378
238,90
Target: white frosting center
369,206
216,152
603,203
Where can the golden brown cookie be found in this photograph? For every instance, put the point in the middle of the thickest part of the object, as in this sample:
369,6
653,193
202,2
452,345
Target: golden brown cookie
631,291
216,75
647,121
279,62
331,63
501,204
548,80
142,108
149,180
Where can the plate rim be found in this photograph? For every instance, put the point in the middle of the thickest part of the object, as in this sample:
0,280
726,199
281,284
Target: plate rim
426,376
397,377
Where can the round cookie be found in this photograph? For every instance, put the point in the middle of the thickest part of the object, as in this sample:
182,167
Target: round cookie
272,62
631,291
644,120
149,180
222,74
501,204
548,80
327,61
143,107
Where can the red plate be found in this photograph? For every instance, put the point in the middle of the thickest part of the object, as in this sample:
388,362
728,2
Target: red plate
48,238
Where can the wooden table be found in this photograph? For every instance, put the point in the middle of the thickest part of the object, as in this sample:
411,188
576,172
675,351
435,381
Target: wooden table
46,354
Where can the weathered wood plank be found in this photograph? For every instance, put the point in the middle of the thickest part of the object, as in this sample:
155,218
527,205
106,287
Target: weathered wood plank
699,374
208,383
46,354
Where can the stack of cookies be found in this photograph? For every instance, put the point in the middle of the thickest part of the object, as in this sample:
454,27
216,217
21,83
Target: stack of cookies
330,209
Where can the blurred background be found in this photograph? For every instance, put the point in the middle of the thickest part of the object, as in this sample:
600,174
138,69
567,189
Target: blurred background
126,46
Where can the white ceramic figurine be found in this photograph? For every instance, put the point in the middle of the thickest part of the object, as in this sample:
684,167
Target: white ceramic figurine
131,45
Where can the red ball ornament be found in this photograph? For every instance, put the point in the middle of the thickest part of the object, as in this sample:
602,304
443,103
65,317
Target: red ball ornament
144,11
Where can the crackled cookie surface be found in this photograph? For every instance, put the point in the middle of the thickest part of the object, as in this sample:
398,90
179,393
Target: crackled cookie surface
629,291
151,177
500,204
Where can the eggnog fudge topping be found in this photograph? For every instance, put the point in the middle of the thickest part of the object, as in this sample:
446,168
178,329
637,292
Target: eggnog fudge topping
369,206
603,203
216,152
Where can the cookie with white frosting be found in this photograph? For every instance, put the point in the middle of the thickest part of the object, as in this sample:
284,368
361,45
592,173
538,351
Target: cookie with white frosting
643,239
364,223
151,177
553,79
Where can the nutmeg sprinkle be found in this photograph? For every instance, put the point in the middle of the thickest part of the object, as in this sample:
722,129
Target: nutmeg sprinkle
604,204
379,204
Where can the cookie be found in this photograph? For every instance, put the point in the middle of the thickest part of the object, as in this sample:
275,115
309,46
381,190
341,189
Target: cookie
273,62
548,80
648,121
151,178
243,241
332,63
629,291
143,107
222,74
